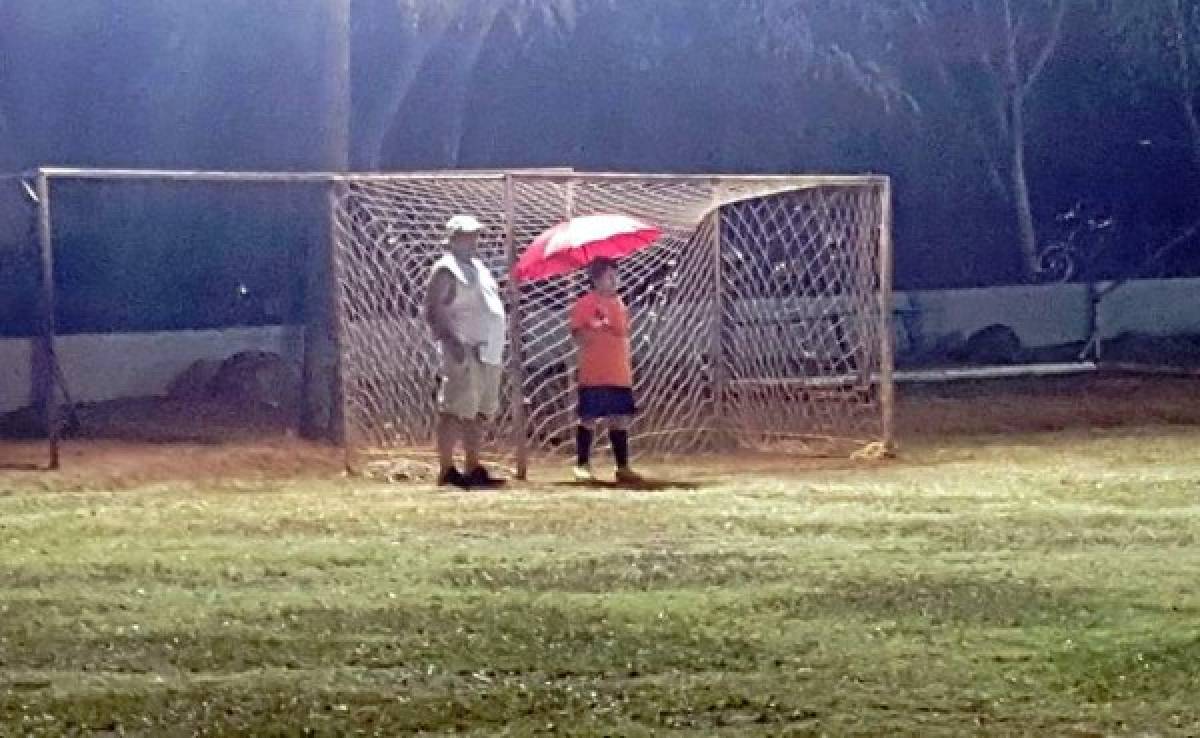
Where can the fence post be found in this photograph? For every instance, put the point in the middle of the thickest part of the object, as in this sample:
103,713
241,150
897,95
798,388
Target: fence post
887,386
1092,347
46,391
516,344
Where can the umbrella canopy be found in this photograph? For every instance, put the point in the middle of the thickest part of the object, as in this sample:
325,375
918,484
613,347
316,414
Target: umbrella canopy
580,241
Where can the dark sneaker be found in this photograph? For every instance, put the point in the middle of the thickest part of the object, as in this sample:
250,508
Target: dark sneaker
480,479
452,477
627,477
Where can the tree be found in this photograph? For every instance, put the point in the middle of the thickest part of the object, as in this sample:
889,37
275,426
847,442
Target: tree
414,30
1161,39
986,58
445,39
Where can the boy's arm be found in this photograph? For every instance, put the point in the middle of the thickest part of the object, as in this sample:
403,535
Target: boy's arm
577,320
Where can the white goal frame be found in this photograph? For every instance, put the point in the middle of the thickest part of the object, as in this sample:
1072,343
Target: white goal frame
392,212
726,191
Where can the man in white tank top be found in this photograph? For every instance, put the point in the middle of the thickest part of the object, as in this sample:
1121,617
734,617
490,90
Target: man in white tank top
465,313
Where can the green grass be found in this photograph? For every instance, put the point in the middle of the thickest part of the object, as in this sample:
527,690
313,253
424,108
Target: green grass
1042,585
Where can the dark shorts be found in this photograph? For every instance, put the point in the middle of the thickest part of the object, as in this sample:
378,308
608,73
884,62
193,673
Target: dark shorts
606,402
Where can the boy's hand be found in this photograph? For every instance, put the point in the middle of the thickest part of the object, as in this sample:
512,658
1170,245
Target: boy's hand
600,321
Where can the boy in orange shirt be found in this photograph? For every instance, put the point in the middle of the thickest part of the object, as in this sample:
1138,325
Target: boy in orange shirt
600,326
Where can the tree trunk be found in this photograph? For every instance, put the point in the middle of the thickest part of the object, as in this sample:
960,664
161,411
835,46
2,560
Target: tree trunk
458,89
320,405
1193,123
338,89
375,126
1184,77
9,160
1026,231
378,118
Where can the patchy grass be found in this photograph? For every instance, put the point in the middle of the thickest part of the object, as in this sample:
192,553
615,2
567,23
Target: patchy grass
1043,585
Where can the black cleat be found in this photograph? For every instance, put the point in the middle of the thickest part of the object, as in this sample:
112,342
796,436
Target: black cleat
452,477
480,479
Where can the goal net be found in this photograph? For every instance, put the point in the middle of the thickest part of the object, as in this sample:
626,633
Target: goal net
761,318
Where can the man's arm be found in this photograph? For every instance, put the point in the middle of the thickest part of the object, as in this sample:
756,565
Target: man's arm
437,297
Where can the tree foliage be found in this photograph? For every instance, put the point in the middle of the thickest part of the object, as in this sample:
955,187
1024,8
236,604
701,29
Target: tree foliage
1161,40
933,92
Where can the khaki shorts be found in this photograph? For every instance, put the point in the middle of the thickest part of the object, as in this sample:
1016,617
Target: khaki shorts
469,389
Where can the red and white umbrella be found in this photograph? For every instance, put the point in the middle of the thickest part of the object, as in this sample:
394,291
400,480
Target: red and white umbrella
580,241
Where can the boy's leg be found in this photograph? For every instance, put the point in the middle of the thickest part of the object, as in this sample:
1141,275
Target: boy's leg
585,436
618,435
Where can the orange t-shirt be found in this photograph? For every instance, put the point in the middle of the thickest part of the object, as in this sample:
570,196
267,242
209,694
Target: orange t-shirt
604,359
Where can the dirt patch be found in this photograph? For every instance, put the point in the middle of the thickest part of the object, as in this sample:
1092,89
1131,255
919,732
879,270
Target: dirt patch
147,440
173,420
995,407
105,464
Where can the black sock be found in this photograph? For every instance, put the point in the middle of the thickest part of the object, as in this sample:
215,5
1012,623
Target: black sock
620,445
583,445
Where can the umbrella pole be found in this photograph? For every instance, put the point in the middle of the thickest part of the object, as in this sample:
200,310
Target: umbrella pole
516,343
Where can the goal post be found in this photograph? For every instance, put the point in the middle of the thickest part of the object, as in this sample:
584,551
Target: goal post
761,319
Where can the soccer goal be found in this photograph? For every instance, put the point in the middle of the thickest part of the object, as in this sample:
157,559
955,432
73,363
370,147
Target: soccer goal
761,319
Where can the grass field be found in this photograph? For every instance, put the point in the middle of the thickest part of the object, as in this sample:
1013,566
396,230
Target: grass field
1039,584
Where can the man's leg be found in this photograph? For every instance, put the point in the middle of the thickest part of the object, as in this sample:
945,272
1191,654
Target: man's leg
472,436
451,393
448,432
485,386
477,475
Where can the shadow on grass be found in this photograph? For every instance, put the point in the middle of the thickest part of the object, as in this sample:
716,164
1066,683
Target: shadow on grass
648,484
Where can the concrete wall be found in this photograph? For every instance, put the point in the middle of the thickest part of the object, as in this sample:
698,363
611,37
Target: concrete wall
1162,307
14,373
1042,316
108,366
103,367
1049,315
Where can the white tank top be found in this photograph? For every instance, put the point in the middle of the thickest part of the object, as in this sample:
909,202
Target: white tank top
476,313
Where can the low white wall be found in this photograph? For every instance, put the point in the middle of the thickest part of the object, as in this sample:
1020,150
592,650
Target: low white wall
1046,315
1051,315
104,367
108,366
14,373
1161,307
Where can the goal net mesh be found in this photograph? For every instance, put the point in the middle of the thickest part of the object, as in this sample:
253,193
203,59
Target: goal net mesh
756,319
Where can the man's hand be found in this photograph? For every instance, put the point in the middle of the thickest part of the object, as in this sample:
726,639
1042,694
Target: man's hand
455,348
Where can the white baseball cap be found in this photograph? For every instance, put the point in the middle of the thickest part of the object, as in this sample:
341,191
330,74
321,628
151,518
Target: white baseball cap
463,224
